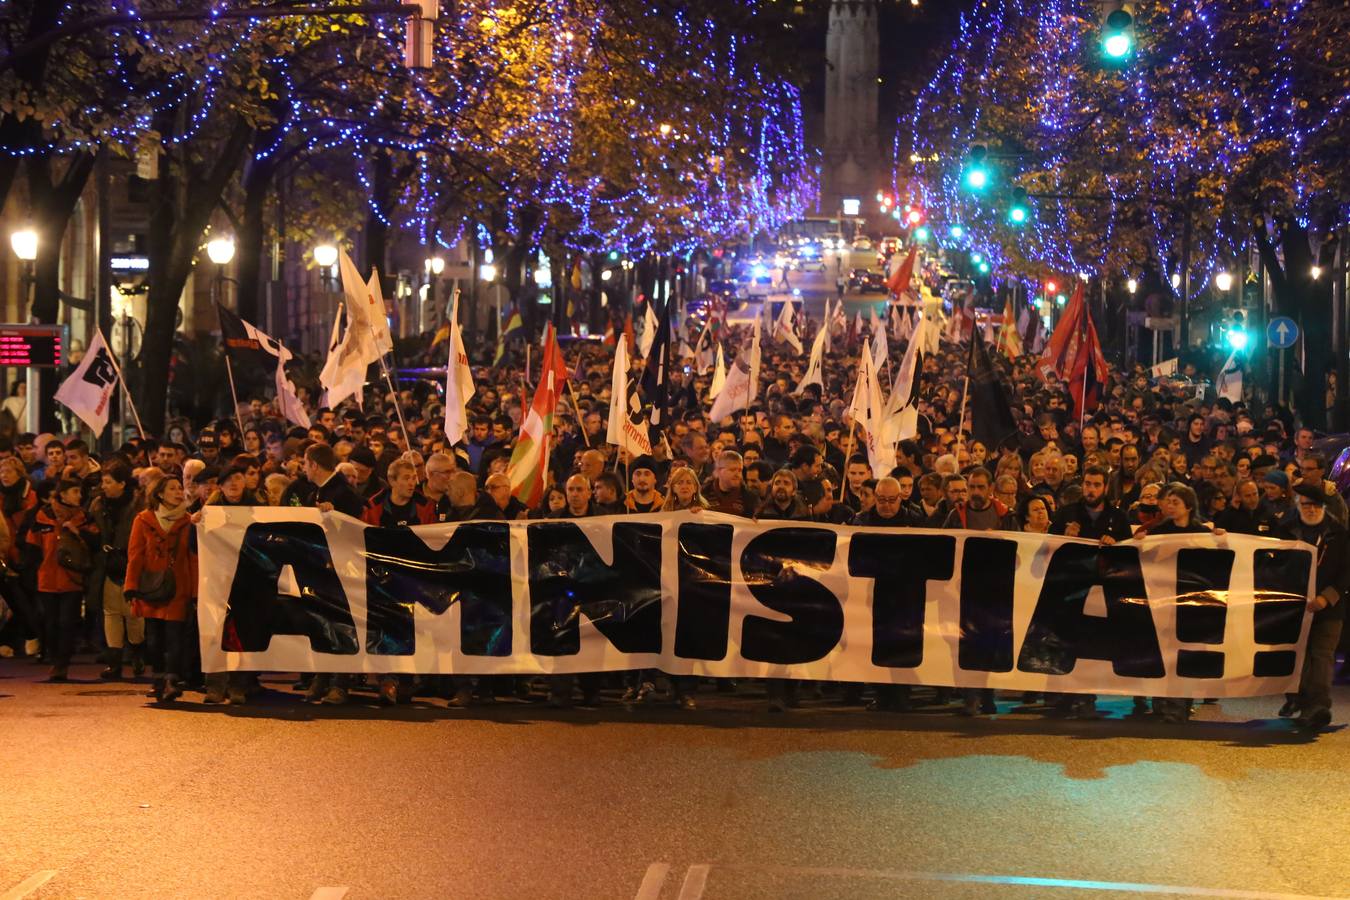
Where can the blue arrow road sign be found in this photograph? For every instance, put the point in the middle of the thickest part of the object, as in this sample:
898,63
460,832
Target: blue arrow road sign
1282,332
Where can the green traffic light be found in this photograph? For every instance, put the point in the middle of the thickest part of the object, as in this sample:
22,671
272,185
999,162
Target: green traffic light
976,258
1117,41
984,268
956,231
1017,215
921,234
1117,46
977,178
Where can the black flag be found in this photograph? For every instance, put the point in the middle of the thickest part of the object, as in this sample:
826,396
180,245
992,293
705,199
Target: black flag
656,375
991,414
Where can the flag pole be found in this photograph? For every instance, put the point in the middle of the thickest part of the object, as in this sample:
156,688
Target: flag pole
961,422
112,357
848,454
576,411
229,371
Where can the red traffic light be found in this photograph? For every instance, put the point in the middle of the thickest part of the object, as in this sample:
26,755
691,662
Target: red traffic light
915,216
1050,286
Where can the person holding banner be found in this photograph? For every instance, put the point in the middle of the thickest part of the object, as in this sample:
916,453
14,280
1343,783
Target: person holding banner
232,490
783,504
331,493
889,511
1315,526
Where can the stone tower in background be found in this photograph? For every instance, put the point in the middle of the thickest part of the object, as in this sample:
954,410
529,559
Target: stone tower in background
852,158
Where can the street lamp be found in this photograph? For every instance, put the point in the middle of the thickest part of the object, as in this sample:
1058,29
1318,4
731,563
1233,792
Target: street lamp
25,244
1223,281
1316,272
1176,280
326,255
220,250
1132,286
434,266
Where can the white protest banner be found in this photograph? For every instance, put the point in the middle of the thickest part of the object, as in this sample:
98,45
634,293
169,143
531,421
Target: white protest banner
712,595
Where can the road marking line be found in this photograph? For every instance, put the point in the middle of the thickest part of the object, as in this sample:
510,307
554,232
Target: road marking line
28,885
1022,880
695,880
653,881
329,893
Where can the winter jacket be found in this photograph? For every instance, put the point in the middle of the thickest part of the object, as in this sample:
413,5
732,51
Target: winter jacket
152,549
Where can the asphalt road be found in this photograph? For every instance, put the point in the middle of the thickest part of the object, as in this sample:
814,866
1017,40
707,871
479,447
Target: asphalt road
104,795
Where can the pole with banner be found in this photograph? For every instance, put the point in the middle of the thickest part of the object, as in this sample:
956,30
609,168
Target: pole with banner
126,391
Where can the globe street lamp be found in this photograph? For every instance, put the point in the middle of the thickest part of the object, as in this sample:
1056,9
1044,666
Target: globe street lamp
1223,281
434,266
25,244
220,250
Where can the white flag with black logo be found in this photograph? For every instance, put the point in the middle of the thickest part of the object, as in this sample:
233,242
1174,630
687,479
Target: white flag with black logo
89,390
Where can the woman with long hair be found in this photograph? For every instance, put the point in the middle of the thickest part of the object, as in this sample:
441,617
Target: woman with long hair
162,578
684,491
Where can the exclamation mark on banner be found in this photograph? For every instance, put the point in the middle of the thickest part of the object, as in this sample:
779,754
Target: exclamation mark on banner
1280,579
1202,609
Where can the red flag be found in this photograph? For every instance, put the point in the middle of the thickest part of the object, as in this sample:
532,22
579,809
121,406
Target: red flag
1074,354
901,276
529,460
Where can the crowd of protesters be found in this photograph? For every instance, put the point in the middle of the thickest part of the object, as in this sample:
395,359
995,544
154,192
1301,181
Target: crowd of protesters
100,552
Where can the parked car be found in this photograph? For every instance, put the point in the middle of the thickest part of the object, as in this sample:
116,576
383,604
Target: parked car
866,281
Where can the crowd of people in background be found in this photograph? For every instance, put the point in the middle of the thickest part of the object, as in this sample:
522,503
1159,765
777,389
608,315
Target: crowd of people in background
100,548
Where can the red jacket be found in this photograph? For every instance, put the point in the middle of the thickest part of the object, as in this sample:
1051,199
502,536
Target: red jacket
152,549
15,522
52,577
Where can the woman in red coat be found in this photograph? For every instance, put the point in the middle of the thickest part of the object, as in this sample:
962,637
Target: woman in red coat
161,540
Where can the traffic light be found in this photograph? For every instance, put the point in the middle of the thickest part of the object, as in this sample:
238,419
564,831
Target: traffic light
1050,286
1019,210
957,232
914,216
977,168
1236,333
419,46
921,234
1118,35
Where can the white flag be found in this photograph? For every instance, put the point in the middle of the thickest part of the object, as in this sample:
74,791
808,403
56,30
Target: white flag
365,307
1165,369
867,410
783,330
880,348
816,366
89,390
649,325
623,431
344,372
1230,380
458,382
736,393
719,375
289,404
828,322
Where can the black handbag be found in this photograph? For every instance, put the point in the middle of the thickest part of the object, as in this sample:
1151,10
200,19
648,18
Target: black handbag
158,588
72,554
